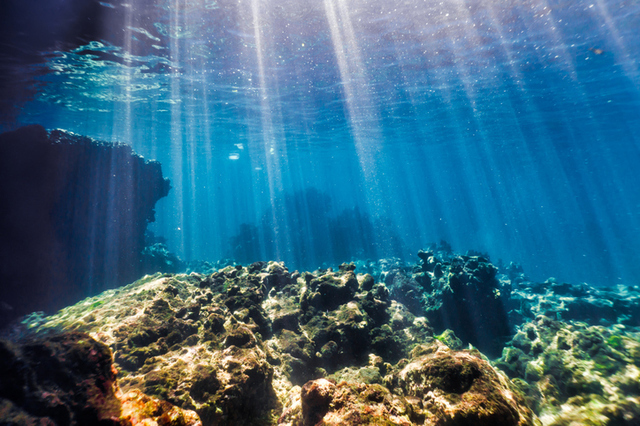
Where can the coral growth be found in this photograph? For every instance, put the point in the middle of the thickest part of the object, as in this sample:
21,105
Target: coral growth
260,345
577,373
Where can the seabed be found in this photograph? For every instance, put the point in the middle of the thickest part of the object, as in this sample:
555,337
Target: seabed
260,345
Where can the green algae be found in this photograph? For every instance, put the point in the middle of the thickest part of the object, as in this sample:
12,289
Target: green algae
449,338
615,341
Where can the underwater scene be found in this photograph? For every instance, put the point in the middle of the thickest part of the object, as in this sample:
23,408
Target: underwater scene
331,212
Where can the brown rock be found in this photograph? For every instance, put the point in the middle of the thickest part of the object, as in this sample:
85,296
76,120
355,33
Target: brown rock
65,378
458,388
346,403
141,409
316,398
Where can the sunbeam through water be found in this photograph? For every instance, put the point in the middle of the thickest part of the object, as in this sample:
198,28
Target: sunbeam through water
506,128
296,212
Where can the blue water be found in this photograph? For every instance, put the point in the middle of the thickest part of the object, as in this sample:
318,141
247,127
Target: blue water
319,131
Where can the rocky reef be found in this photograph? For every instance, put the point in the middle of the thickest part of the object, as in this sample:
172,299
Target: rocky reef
575,373
260,345
456,292
73,218
69,378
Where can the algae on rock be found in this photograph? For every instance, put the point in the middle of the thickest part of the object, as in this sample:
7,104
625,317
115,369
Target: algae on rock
259,345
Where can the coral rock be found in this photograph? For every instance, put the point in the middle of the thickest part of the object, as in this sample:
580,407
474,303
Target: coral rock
346,403
316,398
460,388
61,379
576,373
143,410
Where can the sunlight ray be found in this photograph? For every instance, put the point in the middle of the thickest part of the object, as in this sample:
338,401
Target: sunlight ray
272,149
176,124
363,117
629,64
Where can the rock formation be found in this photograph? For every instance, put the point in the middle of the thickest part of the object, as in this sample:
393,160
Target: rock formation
259,345
70,379
73,215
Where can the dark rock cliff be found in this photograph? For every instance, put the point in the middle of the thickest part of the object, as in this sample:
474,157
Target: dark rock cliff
73,215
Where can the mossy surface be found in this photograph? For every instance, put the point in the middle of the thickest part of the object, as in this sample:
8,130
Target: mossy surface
237,345
581,373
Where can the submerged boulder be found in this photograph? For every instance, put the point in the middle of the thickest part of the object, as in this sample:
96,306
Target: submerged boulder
329,403
68,378
64,379
73,218
462,293
436,387
448,387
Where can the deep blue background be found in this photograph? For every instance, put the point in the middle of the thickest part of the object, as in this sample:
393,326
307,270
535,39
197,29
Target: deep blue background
314,132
